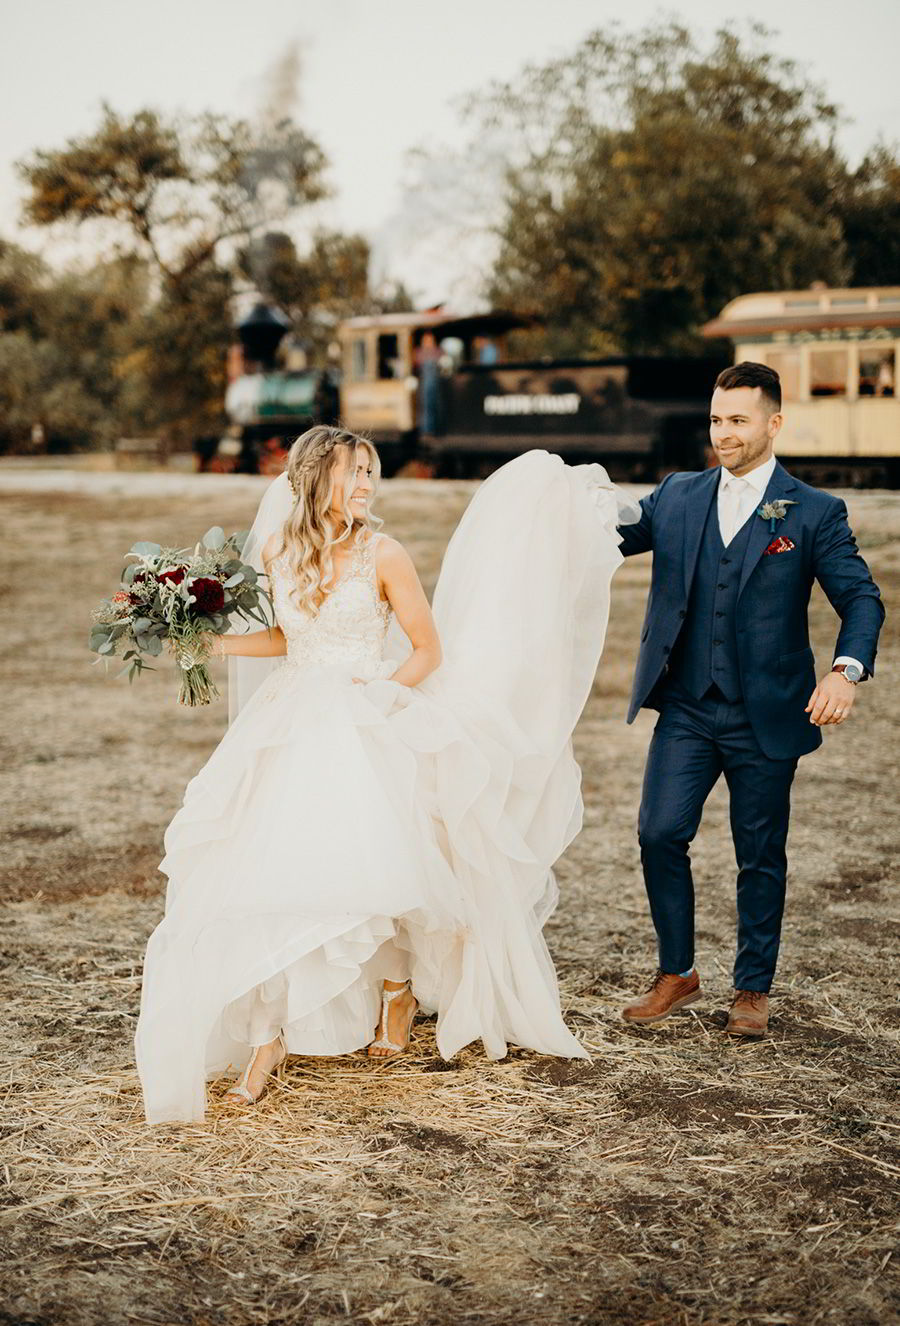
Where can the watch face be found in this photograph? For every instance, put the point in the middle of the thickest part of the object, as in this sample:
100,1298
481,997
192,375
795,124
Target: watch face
852,672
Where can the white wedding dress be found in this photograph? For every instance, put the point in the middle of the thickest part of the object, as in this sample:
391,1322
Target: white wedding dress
342,833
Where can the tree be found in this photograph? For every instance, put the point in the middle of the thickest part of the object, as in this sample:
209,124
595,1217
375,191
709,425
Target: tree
870,213
649,181
321,288
179,187
63,342
178,193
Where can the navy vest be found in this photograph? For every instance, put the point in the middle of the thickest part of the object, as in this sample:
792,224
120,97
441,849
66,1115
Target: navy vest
706,652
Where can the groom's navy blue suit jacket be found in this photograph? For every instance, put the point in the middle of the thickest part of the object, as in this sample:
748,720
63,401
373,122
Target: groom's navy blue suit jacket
777,669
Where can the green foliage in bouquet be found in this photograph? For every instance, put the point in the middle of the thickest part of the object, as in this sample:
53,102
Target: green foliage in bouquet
180,597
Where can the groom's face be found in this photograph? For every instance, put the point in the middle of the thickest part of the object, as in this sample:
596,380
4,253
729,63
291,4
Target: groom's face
742,427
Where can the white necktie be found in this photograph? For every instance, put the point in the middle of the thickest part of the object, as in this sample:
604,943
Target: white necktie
736,491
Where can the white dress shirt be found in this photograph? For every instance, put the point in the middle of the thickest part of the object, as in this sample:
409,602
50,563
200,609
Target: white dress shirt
738,498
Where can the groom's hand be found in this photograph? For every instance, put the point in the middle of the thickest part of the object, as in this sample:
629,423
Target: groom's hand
831,701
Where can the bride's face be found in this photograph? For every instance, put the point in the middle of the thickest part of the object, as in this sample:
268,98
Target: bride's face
355,464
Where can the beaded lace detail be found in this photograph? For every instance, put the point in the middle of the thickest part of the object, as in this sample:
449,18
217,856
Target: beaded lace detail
351,624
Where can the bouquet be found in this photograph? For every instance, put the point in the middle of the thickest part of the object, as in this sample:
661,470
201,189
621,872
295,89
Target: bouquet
181,597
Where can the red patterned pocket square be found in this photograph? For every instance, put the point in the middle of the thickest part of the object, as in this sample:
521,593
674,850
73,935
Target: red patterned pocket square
779,545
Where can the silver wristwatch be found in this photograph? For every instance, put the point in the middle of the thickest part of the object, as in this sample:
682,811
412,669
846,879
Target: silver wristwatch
851,672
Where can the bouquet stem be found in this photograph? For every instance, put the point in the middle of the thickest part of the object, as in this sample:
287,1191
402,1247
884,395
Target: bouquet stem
197,687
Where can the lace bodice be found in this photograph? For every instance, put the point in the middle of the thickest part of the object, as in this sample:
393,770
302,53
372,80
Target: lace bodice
351,624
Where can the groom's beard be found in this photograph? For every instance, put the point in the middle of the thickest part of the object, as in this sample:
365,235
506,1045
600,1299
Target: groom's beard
736,456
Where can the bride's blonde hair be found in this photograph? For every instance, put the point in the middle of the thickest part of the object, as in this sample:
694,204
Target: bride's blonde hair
310,534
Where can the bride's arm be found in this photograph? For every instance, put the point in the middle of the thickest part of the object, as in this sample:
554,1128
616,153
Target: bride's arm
403,590
255,644
269,643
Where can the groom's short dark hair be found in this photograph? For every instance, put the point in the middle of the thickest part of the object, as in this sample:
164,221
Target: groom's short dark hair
749,374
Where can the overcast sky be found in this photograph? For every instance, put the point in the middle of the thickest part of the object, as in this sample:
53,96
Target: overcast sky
377,76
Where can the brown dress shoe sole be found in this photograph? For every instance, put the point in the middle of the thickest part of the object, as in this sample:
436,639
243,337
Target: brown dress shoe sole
673,1008
756,1032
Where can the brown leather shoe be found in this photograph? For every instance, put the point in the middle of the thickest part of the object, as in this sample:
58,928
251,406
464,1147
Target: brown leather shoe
749,1014
668,991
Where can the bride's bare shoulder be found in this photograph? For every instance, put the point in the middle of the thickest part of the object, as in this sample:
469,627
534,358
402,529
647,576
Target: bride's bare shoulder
271,548
389,552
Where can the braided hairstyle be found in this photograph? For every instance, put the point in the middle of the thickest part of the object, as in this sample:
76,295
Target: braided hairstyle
311,531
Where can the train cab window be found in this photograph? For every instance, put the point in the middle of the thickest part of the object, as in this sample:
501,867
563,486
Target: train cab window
877,371
828,372
358,359
389,365
786,364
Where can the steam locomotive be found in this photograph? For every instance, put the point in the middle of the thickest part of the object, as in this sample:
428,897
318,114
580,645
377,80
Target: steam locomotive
439,396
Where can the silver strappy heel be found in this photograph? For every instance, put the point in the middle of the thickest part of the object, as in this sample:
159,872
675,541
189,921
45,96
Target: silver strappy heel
240,1089
383,1043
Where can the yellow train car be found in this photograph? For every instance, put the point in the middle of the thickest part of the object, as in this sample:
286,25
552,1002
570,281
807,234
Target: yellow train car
836,351
381,369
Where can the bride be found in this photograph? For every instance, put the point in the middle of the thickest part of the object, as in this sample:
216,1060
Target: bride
375,832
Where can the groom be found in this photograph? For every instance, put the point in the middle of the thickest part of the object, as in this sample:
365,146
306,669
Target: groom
725,658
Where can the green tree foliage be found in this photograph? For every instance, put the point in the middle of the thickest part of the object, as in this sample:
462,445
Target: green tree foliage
649,181
179,187
870,210
64,342
317,290
176,194
321,288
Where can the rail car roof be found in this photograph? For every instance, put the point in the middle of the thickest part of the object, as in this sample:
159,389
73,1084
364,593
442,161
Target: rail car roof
807,310
497,321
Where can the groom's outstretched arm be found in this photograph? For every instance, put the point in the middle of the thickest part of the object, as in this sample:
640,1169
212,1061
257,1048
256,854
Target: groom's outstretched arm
848,584
638,538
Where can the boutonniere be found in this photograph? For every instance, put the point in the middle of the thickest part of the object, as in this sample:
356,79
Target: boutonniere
774,510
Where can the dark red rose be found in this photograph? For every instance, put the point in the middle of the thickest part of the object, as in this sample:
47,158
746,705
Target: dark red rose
209,595
172,577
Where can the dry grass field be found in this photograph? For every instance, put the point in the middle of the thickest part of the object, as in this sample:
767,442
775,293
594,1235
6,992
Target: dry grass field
678,1178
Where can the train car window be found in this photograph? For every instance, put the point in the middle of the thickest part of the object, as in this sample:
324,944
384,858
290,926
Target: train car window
358,359
889,301
389,365
877,371
848,301
828,372
786,364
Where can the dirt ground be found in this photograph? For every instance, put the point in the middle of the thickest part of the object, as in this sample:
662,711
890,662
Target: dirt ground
680,1177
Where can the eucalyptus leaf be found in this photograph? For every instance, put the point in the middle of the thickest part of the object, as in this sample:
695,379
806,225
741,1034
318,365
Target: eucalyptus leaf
128,573
236,579
214,538
142,625
154,646
106,648
146,549
240,538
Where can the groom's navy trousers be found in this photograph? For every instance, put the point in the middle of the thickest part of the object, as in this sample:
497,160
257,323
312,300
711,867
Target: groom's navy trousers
695,742
725,658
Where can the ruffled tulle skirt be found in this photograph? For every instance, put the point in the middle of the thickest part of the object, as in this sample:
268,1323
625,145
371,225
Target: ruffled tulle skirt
340,831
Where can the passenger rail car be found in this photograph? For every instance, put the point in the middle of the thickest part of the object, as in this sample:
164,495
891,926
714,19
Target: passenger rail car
836,353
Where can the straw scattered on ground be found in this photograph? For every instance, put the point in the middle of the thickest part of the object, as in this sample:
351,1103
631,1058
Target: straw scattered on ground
679,1177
